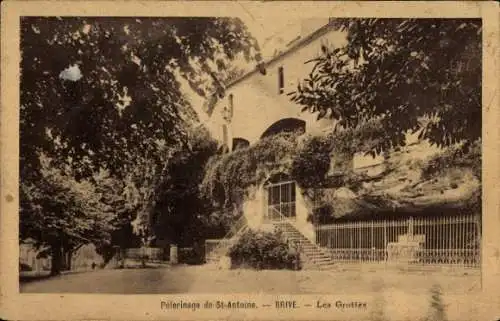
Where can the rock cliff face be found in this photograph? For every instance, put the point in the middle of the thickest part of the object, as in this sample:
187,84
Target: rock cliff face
404,180
401,184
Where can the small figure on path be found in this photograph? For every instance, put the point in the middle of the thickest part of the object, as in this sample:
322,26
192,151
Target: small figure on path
93,265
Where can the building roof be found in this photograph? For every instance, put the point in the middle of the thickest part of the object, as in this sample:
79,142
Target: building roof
295,44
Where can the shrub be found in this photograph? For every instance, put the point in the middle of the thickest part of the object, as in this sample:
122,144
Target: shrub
263,250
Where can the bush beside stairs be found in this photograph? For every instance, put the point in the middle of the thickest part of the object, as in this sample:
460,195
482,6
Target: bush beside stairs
312,256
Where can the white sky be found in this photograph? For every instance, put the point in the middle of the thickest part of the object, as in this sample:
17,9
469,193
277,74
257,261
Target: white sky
262,27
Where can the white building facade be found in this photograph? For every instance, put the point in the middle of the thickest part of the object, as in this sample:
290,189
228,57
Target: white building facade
256,102
258,105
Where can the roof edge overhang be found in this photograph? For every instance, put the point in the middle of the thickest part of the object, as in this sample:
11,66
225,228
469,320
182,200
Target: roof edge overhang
299,44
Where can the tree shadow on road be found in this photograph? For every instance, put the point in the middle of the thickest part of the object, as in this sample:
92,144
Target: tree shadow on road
35,277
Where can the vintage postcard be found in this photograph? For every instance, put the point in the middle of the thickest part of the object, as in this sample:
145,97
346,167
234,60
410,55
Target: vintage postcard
250,160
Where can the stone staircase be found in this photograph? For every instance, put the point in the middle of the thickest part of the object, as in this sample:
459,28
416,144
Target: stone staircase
313,257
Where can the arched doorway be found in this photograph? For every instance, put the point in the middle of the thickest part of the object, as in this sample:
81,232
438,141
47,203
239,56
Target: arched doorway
280,194
285,125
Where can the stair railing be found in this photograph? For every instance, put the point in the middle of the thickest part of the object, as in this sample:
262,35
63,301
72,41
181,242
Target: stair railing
276,208
224,243
287,220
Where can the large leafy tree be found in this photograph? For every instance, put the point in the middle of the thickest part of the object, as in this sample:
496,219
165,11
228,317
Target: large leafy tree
411,75
180,208
103,94
61,214
126,100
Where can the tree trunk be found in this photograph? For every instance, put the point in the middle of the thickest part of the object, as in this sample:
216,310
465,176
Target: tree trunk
64,259
57,259
69,256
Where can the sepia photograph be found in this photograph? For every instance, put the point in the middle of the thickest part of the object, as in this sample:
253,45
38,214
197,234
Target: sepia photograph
226,155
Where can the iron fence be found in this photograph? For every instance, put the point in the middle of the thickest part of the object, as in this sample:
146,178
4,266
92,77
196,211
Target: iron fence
426,241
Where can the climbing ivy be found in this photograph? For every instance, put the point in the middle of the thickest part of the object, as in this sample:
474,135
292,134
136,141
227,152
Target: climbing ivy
320,155
315,163
312,161
307,159
228,177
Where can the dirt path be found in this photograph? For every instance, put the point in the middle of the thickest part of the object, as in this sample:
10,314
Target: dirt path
202,279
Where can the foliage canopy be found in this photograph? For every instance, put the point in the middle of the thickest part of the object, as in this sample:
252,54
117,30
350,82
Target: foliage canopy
180,205
416,75
103,95
125,99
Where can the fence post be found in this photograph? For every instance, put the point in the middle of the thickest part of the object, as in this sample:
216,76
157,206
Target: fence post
173,254
385,240
351,246
410,227
371,244
360,224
